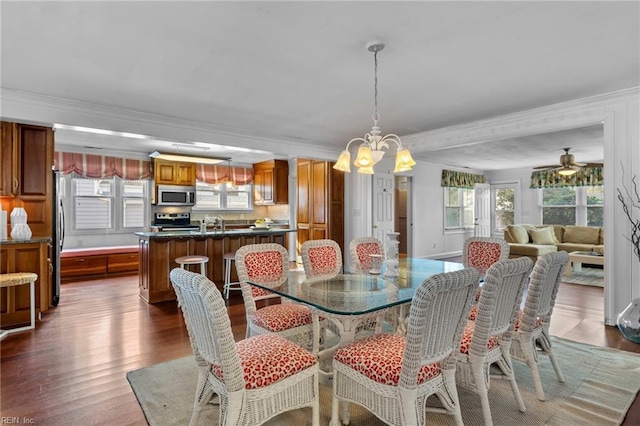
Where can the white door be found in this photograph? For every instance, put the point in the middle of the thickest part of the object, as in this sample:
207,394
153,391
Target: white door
482,205
383,207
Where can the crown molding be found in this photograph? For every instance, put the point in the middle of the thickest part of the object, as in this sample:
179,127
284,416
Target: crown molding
566,115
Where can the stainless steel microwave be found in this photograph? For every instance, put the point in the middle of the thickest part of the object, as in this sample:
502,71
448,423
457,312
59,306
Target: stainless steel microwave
174,195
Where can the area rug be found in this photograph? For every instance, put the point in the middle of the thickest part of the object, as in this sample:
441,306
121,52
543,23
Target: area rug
600,386
588,276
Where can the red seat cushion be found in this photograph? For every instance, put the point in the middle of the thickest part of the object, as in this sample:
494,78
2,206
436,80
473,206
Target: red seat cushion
267,358
264,266
481,255
379,357
538,322
364,251
282,316
465,343
323,259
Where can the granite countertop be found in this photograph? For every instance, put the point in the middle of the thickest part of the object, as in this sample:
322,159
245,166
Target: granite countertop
217,233
29,240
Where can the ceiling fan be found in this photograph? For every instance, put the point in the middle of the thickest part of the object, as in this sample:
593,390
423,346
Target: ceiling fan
568,165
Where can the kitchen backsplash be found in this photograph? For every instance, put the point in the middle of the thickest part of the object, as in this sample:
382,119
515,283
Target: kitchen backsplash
277,213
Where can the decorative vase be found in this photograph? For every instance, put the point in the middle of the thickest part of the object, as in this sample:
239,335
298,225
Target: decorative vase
391,262
18,216
629,321
20,231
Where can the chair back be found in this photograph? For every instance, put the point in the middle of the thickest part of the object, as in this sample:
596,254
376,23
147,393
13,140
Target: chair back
543,287
208,324
499,302
438,314
361,248
321,258
267,264
482,252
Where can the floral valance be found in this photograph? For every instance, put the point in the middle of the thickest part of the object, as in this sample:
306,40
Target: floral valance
213,173
453,179
587,176
102,166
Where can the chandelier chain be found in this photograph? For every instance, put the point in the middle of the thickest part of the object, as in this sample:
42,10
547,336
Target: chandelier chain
376,117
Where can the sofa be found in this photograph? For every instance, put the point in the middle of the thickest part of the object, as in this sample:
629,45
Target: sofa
536,240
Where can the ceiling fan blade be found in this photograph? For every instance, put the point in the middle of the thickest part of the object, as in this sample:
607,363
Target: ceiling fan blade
553,166
594,165
577,164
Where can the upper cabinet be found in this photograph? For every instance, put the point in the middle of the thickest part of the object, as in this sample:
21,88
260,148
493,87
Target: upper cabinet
26,179
174,173
271,182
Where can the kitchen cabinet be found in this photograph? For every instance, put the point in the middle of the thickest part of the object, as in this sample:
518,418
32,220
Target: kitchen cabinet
320,202
271,182
15,302
174,173
158,251
26,179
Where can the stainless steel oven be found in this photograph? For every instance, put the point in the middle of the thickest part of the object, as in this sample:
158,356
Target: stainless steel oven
175,195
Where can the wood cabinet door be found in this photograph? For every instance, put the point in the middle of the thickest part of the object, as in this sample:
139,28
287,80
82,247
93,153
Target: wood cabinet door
281,184
185,174
35,159
15,308
164,173
8,181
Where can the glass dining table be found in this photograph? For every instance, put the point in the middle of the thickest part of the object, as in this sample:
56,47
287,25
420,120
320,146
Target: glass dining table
351,301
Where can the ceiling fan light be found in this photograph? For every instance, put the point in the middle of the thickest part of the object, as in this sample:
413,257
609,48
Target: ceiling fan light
343,162
567,171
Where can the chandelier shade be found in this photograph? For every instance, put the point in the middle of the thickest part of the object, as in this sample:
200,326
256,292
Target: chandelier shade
372,145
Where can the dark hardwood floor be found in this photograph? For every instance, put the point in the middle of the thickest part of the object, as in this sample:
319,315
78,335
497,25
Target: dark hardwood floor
71,369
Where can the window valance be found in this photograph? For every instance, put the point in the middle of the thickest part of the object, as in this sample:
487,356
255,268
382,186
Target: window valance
587,176
453,179
212,173
102,166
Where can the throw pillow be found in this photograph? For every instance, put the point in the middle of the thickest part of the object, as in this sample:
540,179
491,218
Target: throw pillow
553,233
542,236
518,234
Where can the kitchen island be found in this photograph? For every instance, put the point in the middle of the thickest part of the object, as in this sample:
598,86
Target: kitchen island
158,251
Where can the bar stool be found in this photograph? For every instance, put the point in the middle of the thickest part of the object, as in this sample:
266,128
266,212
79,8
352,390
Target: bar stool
15,279
194,260
227,258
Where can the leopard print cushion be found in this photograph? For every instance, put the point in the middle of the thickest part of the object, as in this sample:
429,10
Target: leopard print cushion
379,357
364,250
260,292
267,358
282,317
264,266
323,259
467,335
481,255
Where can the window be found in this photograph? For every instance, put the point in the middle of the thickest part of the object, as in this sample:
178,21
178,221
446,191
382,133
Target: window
595,205
459,211
504,207
107,205
223,196
573,206
93,199
133,203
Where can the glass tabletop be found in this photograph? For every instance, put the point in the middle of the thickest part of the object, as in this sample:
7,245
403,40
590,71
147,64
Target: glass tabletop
351,294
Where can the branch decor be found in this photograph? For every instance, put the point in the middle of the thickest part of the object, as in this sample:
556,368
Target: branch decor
630,199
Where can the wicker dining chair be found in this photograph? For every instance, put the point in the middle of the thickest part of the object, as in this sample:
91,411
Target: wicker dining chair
532,329
482,252
487,339
361,249
393,375
256,378
321,258
268,264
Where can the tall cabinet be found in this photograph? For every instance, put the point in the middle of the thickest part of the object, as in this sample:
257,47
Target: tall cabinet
320,202
26,153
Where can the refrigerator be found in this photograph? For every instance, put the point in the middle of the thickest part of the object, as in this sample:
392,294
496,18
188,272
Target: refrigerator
57,237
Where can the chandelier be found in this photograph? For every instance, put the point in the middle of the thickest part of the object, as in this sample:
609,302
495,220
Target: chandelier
371,148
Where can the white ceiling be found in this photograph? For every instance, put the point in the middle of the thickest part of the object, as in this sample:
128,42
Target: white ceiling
300,71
